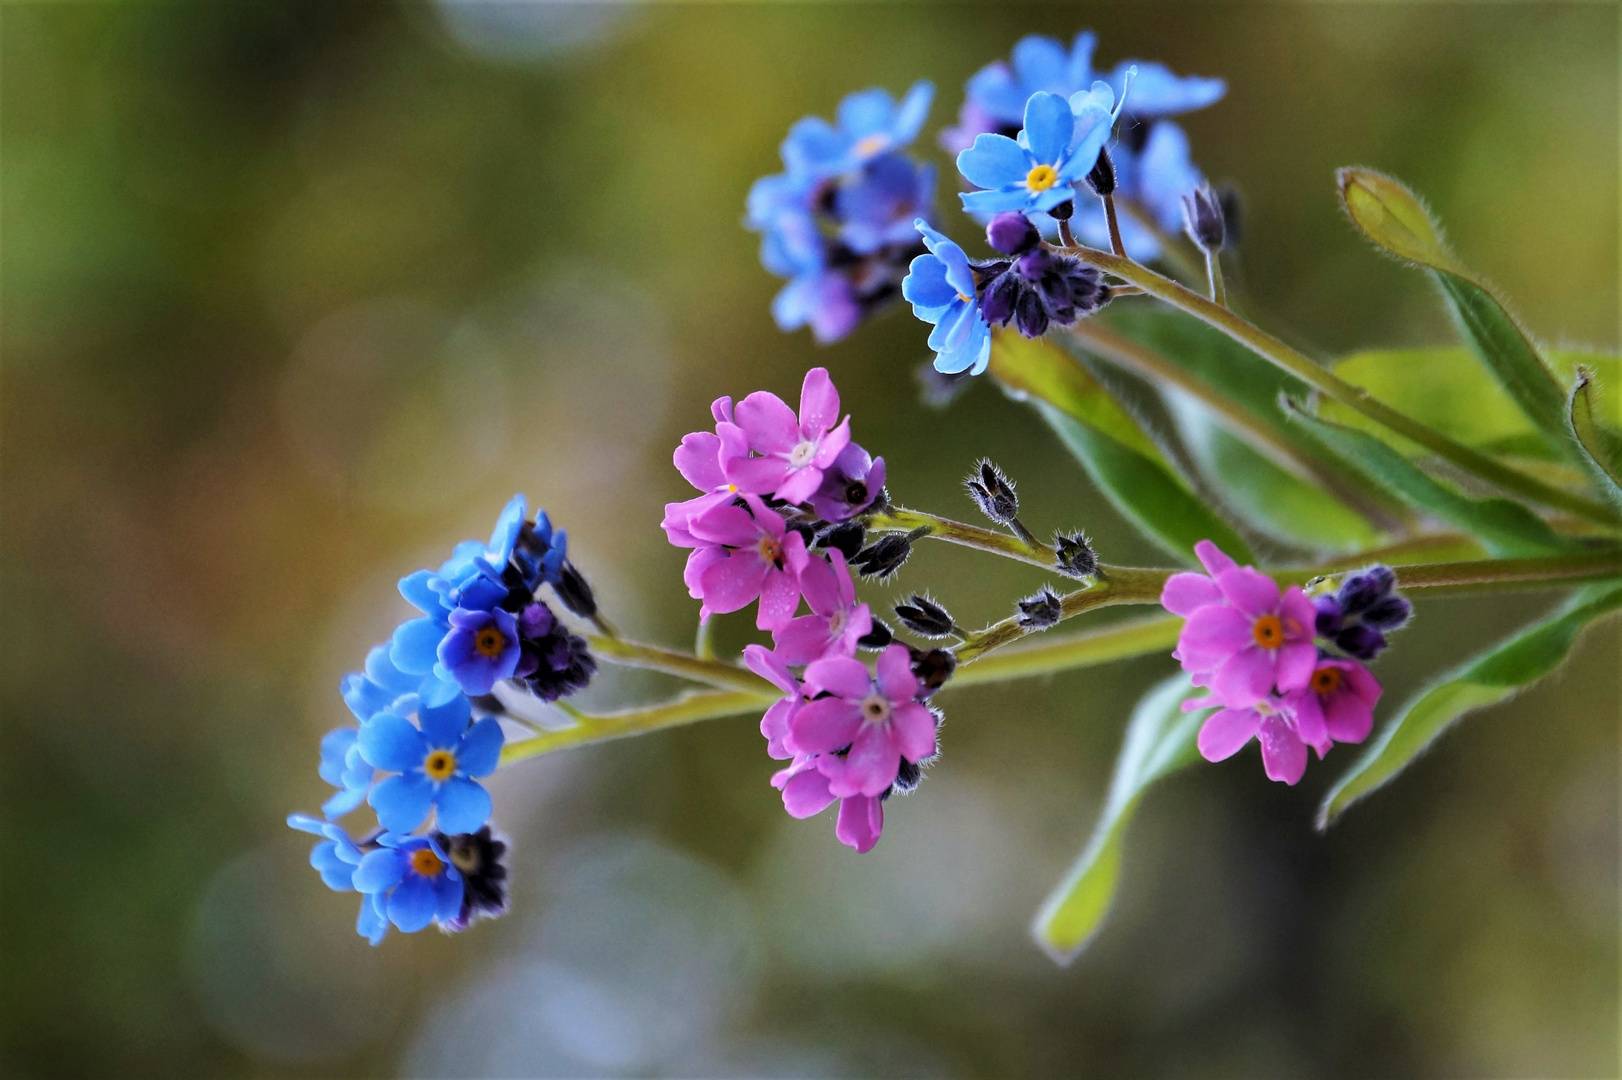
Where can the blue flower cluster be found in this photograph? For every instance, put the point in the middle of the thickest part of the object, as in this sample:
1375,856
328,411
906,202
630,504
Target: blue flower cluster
837,223
428,732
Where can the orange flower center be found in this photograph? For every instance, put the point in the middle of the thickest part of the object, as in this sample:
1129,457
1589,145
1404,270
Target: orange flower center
771,550
869,145
1268,631
426,863
489,643
1326,680
439,765
1041,178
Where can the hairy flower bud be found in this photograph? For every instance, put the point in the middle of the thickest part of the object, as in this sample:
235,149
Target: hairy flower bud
993,492
1040,611
1389,613
1075,554
1202,219
1063,211
932,667
1012,233
846,538
877,639
1361,641
1102,177
924,617
882,559
574,592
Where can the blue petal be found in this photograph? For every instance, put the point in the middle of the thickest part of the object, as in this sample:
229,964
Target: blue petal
306,823
995,90
1099,99
479,591
391,743
443,725
480,751
381,670
363,696
813,147
1080,69
1040,63
951,328
865,112
912,112
994,161
402,801
1166,174
372,925
506,531
926,288
463,805
1158,92
437,690
1049,124
411,906
447,896
995,202
979,346
415,588
380,871
335,747
336,874
1046,200
344,802
415,645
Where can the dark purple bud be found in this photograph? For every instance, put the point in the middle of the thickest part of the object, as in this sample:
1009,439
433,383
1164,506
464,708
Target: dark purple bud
1202,219
906,777
1360,641
846,538
997,305
536,621
480,858
882,559
1102,177
880,637
1389,613
1030,314
1363,588
932,667
1012,233
1063,211
575,592
924,617
1040,611
1034,264
1330,616
992,492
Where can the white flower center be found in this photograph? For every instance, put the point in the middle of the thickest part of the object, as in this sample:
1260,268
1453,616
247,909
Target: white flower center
836,624
875,708
801,455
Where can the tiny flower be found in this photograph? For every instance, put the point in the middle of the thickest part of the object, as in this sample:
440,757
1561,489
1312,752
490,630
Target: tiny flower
700,459
1056,148
849,486
870,123
481,649
1242,637
794,450
774,726
836,623
411,880
993,492
1271,720
997,93
553,663
877,718
923,616
941,288
876,209
1337,704
335,856
752,554
414,648
343,767
478,858
436,765
806,793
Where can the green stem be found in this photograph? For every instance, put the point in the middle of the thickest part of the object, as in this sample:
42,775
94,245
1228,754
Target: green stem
1331,385
671,662
1140,637
1173,252
1213,273
900,519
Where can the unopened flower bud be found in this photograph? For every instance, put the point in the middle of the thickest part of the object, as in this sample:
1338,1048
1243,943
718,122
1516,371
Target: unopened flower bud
1063,211
1202,219
932,667
574,591
882,559
993,492
1102,177
1034,265
1361,641
1040,611
878,638
1388,613
924,617
1330,616
846,538
1359,591
1012,233
1075,554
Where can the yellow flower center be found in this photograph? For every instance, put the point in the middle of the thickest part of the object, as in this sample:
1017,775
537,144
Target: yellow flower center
1041,178
1268,631
1326,680
426,863
770,549
490,643
869,145
439,765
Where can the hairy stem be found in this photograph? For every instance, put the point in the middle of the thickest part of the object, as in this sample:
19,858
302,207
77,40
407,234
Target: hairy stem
1213,274
1114,224
900,519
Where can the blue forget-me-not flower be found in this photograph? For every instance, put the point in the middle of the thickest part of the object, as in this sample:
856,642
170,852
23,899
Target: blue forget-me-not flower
436,765
941,289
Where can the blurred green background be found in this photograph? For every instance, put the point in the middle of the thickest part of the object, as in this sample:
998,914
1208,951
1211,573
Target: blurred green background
295,295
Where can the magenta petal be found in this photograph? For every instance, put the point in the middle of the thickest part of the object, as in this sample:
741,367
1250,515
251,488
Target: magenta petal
843,676
845,594
861,820
806,794
771,425
734,442
802,640
700,560
819,403
824,725
1349,712
779,597
1284,755
1308,710
914,731
1184,594
1225,731
820,585
1293,668
698,459
799,485
1251,591
759,475
1211,635
730,525
1244,678
721,409
832,445
775,726
734,582
869,768
896,679
1212,559
771,667
1299,615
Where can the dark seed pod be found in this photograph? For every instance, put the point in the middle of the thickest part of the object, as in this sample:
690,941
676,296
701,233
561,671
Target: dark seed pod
1040,611
1102,177
993,492
575,592
924,617
933,667
1075,554
881,560
880,637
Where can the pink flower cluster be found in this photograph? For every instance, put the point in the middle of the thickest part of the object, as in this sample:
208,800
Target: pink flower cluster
1254,647
743,548
849,734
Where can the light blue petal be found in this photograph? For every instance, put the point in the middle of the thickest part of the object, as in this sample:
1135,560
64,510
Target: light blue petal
335,747
402,801
372,924
1166,174
1049,124
1040,63
381,670
1094,129
415,645
416,590
912,112
380,871
443,725
812,147
1079,71
995,202
391,743
436,690
979,346
1159,92
343,802
480,751
1099,98
1053,196
995,90
363,696
463,805
951,328
505,534
336,874
927,289
866,112
448,895
411,905
306,823
994,161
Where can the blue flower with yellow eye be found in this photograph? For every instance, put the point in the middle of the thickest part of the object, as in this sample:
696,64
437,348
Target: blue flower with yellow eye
481,649
1057,147
436,765
941,289
870,123
411,881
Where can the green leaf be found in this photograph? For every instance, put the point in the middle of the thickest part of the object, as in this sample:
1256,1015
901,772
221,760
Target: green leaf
1271,499
1121,459
1506,668
1602,448
1395,219
1159,739
1505,528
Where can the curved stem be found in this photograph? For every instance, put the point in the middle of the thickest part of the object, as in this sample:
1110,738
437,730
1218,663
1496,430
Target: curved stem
900,519
672,662
1331,385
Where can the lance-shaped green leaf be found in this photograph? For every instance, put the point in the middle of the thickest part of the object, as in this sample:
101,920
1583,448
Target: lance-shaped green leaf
1159,739
1601,446
1394,218
1503,670
1504,527
1119,456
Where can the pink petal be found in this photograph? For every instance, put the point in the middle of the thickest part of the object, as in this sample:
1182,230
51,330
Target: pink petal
869,768
820,585
1183,594
1284,755
1308,709
819,403
734,442
758,475
771,667
843,676
1244,678
1212,559
734,582
861,820
1226,731
698,459
825,725
806,794
679,517
727,524
1349,713
775,726
1211,635
1294,665
896,680
799,485
858,626
914,730
1299,616
842,579
803,640
1251,591
721,409
832,445
700,560
771,425
779,598
769,520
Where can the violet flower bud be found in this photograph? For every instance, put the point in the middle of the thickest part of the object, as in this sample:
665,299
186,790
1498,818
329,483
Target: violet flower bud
1012,233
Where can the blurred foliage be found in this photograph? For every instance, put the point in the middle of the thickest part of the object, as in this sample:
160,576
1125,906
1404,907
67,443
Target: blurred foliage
295,295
